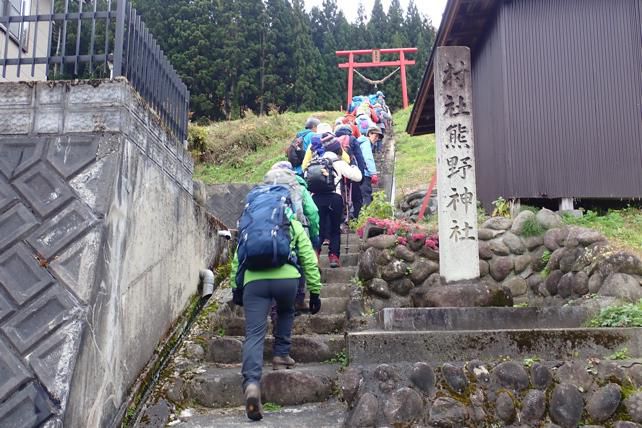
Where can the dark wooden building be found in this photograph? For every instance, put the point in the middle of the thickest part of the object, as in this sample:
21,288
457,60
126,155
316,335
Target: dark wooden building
557,95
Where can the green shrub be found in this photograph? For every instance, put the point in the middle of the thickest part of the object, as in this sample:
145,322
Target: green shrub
378,208
628,315
532,227
196,138
502,207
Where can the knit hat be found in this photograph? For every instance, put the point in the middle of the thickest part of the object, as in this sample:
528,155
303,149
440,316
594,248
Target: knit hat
343,130
333,146
375,130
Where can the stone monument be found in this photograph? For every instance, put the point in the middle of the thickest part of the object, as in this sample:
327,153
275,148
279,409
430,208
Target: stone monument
458,245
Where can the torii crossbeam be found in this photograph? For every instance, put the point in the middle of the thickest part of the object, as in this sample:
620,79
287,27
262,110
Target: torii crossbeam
402,62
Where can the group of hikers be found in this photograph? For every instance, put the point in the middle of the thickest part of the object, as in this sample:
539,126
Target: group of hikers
302,205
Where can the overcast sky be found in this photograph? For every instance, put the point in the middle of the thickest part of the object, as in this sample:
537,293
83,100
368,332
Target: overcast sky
431,8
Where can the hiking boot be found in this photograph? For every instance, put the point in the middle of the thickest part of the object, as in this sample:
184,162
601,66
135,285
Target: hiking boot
283,362
334,261
253,402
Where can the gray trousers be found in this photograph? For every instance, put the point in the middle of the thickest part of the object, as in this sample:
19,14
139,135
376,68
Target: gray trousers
257,301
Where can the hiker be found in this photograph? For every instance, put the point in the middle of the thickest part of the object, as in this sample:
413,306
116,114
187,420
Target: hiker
297,149
371,178
324,176
324,134
271,260
304,209
356,158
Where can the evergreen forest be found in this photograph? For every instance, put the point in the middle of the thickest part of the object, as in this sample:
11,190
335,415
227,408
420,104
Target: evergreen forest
237,56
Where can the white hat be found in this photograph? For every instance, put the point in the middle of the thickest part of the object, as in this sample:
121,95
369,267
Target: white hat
323,127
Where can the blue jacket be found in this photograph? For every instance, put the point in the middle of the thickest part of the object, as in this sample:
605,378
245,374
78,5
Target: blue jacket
366,150
307,138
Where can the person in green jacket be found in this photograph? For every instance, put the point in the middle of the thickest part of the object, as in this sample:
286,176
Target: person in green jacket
260,289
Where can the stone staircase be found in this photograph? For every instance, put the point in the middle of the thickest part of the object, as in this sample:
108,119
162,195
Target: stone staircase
318,346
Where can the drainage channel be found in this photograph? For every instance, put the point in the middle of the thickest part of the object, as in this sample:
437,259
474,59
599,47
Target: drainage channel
131,414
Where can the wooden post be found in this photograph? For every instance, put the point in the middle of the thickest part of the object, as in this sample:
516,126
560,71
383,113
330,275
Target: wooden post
350,75
404,89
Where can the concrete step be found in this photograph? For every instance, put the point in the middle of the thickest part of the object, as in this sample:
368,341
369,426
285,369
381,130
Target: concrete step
217,387
309,348
330,413
341,289
490,318
348,259
336,275
303,324
374,347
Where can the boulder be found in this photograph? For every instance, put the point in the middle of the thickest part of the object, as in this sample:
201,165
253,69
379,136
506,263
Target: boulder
533,242
505,407
580,283
404,407
548,219
379,288
521,262
432,281
484,268
604,402
500,267
522,218
462,294
633,406
485,251
422,269
565,286
349,382
569,258
623,286
498,223
384,257
365,412
574,373
455,378
566,405
620,262
511,375
595,282
514,243
401,286
517,286
537,259
488,234
534,281
381,242
429,253
448,412
423,377
541,376
497,246
554,238
552,281
394,270
533,406
404,253
368,268
587,237
554,260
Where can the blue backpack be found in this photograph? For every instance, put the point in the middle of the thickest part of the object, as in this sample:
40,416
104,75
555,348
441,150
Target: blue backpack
264,229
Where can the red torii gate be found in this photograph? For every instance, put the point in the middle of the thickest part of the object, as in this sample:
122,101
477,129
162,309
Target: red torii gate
376,62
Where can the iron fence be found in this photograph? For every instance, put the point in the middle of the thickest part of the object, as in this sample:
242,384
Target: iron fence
91,39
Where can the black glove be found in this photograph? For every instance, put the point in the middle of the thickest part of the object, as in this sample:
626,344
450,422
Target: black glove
315,303
237,296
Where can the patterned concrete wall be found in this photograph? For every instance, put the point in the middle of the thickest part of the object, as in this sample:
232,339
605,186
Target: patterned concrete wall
73,156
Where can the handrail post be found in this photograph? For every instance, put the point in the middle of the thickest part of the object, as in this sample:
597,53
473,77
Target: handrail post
119,36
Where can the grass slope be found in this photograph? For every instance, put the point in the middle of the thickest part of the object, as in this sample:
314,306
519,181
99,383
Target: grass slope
416,157
241,151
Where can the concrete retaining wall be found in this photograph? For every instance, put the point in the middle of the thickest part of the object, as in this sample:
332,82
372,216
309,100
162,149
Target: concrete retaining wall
100,247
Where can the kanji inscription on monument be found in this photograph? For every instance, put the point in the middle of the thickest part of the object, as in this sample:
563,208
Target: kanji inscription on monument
458,246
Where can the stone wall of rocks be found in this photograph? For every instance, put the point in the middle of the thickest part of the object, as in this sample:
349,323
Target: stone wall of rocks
557,264
408,207
482,394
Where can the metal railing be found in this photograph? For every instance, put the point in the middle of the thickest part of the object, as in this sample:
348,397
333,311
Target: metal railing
92,39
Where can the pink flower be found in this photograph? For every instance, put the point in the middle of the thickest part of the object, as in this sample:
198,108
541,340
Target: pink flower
402,241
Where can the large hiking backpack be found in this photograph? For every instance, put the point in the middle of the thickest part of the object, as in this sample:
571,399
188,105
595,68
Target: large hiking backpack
286,177
264,229
321,176
295,152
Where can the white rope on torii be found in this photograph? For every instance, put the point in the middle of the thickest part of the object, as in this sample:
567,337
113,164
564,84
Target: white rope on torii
377,82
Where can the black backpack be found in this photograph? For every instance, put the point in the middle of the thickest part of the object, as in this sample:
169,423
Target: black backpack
295,152
320,176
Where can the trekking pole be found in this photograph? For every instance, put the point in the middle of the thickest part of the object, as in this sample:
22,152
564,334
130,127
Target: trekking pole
348,201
